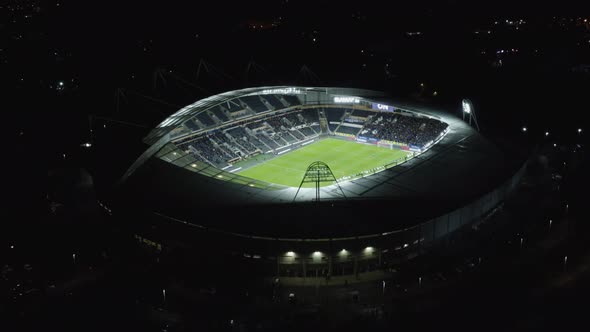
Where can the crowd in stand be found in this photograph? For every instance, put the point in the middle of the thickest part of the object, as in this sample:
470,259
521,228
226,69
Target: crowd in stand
431,130
249,142
410,130
203,149
271,133
294,119
275,122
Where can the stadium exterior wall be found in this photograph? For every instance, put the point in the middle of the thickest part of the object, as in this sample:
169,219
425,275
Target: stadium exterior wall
292,257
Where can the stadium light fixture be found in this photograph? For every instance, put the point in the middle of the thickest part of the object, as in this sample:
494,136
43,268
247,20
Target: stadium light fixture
317,254
343,252
546,133
193,165
524,129
554,145
579,130
468,109
290,254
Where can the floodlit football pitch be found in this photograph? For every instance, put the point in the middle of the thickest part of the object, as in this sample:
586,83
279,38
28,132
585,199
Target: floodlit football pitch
345,159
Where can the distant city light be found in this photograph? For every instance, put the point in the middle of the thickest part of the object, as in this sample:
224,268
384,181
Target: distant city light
60,86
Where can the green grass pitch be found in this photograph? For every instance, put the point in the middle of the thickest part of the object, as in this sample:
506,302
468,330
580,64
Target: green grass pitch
345,158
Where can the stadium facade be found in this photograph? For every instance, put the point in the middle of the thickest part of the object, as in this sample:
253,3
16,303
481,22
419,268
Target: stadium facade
185,190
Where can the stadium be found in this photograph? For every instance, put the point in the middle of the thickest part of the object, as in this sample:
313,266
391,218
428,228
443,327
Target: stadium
310,182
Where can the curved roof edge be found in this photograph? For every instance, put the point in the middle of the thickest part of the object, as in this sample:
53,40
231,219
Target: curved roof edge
160,135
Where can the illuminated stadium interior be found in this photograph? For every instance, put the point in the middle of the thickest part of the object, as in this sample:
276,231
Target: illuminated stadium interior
266,137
